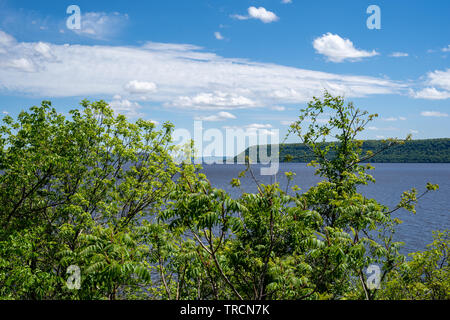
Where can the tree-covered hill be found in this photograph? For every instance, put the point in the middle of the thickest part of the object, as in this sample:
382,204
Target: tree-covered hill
413,151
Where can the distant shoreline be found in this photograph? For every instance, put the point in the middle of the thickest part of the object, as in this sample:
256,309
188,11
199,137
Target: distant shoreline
413,151
224,163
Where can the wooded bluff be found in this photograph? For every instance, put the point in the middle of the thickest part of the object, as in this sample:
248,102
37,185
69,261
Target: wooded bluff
412,151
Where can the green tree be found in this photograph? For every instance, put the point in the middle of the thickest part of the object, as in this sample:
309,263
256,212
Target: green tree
74,191
98,192
312,245
425,277
358,231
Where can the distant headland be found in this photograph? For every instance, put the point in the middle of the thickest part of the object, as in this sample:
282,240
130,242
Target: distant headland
412,151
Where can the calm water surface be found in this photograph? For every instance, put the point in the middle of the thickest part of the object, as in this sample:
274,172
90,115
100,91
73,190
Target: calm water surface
392,179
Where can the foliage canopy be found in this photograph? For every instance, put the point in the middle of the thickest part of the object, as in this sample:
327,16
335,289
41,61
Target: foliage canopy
103,194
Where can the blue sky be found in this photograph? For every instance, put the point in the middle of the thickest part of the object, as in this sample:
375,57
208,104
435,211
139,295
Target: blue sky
232,63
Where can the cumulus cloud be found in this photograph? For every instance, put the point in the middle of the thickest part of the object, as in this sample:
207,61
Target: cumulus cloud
258,13
136,86
433,114
337,49
286,1
254,129
125,107
430,94
262,14
23,57
218,35
259,126
214,100
6,40
44,50
446,49
221,116
439,86
440,79
177,75
21,64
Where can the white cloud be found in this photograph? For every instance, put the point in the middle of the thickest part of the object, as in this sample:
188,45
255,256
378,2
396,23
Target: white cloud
239,17
258,13
125,107
218,35
393,119
413,131
186,76
214,100
221,116
254,129
399,54
440,78
101,25
44,49
23,57
446,49
337,49
278,108
136,86
259,126
286,1
263,132
262,14
22,64
430,94
170,47
433,114
6,40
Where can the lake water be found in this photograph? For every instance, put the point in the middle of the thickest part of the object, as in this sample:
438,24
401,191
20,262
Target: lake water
392,179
